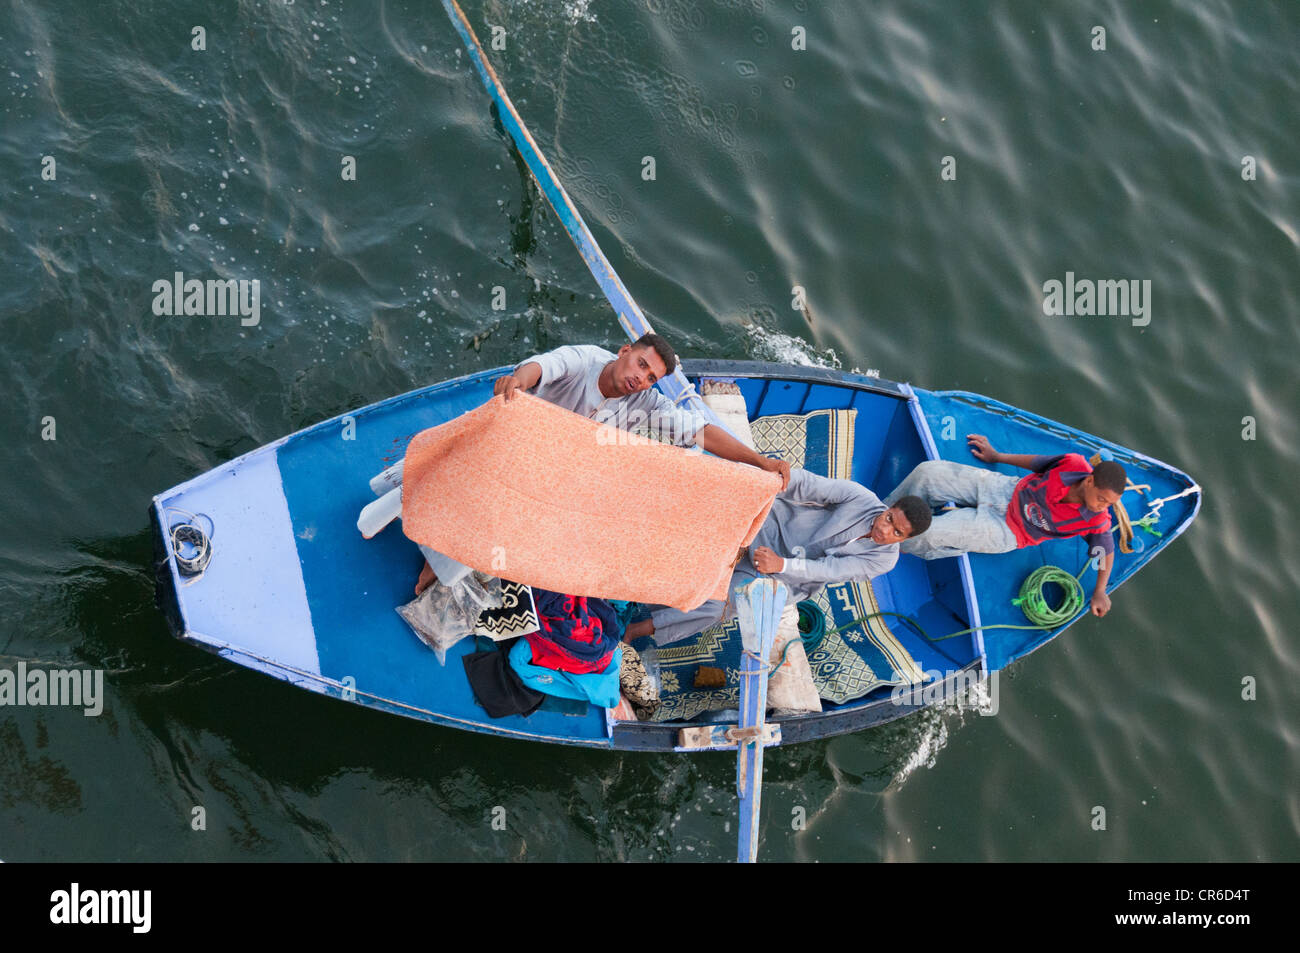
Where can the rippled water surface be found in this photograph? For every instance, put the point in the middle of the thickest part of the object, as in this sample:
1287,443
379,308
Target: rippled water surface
1169,156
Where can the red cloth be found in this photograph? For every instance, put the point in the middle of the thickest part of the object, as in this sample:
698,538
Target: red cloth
548,655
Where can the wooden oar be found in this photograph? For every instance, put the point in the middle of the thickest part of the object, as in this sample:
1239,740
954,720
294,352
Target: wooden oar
675,386
758,610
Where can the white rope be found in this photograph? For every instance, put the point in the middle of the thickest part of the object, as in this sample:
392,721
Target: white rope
1155,505
763,664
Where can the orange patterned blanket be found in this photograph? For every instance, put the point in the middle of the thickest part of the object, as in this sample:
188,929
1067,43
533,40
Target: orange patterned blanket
534,493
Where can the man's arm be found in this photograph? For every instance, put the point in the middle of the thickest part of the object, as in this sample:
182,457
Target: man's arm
561,363
808,487
722,444
983,450
828,569
688,427
525,377
1100,604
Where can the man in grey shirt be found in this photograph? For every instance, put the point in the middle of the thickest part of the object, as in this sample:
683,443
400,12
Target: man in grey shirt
830,531
618,389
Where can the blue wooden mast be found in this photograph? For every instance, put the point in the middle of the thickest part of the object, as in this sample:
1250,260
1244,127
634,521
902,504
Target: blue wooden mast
759,604
675,386
758,610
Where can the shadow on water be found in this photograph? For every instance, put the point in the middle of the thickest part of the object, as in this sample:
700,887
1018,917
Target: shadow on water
536,321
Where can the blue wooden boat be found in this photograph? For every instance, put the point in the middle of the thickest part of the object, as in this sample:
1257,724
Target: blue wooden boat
290,588
293,590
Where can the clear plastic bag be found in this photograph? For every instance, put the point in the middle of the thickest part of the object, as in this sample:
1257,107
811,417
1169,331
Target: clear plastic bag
443,615
650,659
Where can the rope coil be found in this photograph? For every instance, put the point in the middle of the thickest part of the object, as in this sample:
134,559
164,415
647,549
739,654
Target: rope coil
189,533
1031,601
1034,604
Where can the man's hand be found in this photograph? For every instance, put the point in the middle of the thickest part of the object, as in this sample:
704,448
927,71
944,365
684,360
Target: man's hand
779,467
766,561
1100,604
506,385
981,448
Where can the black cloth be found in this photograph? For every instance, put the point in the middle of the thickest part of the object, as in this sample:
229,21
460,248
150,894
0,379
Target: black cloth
497,687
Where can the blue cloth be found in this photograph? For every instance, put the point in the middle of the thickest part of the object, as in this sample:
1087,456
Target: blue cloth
600,688
628,612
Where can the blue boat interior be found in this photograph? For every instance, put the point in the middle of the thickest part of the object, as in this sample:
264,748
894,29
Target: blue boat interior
886,445
951,415
290,510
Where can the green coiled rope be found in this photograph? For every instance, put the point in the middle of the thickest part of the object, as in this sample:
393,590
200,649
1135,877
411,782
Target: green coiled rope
1034,604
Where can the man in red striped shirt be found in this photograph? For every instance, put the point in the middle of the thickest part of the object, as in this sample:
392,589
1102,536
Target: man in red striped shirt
1063,497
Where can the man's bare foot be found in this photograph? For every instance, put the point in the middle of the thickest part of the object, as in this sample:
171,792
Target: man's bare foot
427,579
638,629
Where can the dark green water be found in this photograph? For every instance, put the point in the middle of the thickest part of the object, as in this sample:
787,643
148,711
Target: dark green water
775,167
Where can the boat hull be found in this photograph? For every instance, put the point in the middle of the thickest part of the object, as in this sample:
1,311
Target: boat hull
293,590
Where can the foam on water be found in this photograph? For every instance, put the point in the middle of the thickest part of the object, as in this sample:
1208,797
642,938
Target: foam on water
767,345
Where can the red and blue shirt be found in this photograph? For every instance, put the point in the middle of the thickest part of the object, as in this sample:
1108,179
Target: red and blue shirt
1038,511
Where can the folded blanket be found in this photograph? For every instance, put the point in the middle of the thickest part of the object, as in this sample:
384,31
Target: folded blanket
537,494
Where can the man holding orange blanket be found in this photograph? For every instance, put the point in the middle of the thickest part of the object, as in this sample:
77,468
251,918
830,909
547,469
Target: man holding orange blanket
618,389
544,497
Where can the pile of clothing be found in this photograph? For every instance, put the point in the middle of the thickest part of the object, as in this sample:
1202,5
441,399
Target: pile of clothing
574,654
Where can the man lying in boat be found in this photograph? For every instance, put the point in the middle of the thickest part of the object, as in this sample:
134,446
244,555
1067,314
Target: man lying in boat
830,530
1063,497
618,389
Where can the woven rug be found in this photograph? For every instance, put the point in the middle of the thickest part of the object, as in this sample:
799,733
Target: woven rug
820,442
848,664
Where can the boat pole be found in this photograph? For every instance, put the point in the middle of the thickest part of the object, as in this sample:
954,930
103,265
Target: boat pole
675,386
758,611
760,607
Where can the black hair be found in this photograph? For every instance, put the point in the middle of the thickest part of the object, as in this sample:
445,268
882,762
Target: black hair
1109,475
661,347
917,512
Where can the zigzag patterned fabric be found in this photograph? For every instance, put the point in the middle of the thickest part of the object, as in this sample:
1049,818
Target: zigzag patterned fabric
517,615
